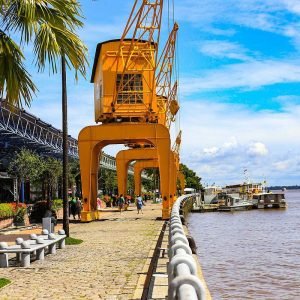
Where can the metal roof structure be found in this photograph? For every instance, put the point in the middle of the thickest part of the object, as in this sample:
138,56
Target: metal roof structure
20,129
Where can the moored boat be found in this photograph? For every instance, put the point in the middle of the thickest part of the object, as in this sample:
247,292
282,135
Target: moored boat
232,202
269,200
211,193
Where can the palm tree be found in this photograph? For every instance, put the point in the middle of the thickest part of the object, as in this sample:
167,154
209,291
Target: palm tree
50,26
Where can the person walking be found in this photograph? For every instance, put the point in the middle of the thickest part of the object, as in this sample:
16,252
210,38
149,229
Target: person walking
121,202
73,208
139,204
98,203
78,208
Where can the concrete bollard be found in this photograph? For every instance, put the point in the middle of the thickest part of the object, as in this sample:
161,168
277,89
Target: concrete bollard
33,236
62,244
40,254
19,241
3,256
25,258
52,249
45,232
51,236
61,232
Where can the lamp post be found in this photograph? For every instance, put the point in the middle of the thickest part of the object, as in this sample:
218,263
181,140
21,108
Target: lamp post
65,146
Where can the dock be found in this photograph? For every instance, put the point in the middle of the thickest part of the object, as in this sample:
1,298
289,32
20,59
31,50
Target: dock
206,208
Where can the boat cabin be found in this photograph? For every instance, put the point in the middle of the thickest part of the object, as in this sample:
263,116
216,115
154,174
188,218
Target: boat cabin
265,200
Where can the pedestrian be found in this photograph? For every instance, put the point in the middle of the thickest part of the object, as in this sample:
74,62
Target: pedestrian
127,202
98,203
78,208
139,204
70,205
73,208
121,202
114,200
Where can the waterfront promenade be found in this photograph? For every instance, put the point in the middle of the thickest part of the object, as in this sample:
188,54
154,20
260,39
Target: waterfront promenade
107,265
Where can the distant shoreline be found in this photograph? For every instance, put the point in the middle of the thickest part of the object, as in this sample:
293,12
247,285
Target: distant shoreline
288,187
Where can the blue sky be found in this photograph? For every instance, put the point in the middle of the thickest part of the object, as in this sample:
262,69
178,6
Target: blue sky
239,69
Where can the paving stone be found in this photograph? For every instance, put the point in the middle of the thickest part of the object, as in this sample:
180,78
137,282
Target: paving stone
107,265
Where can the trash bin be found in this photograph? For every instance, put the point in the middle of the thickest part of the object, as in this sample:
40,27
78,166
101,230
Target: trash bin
48,224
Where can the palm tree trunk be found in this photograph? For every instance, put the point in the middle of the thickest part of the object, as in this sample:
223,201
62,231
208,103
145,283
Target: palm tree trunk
65,146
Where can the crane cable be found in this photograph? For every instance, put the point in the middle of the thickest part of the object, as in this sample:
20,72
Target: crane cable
176,71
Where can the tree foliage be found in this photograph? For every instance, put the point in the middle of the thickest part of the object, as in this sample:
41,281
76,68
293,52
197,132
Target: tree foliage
42,171
191,179
108,181
51,171
50,26
25,165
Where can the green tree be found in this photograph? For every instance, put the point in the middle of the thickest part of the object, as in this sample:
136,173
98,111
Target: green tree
50,25
191,179
26,165
52,171
108,180
74,175
130,184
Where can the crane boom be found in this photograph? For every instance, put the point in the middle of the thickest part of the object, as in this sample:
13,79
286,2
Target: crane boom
165,94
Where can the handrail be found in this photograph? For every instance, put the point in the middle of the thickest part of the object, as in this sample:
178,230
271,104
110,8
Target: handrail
182,270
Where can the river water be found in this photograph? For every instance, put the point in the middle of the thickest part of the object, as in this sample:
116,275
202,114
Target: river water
250,254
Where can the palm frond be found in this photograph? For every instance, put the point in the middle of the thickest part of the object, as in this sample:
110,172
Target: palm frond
15,81
70,10
25,16
52,42
20,16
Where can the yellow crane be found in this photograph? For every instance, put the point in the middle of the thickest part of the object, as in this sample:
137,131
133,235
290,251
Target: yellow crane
125,102
166,94
124,69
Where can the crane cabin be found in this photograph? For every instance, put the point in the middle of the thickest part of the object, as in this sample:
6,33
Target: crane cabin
124,81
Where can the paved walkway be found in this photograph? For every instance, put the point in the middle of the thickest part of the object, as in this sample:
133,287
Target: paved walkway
107,265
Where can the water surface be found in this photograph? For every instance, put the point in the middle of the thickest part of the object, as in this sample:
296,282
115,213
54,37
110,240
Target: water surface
250,254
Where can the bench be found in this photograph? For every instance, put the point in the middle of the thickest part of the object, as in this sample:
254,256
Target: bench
36,245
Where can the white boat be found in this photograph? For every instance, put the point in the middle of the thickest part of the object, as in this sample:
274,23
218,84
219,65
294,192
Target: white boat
211,193
232,202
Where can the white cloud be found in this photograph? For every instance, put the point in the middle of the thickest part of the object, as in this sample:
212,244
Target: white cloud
292,5
264,15
211,151
282,165
223,49
220,140
249,75
257,149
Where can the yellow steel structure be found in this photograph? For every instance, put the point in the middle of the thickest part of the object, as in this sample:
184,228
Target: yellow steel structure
124,70
167,107
92,139
124,74
166,94
124,158
139,166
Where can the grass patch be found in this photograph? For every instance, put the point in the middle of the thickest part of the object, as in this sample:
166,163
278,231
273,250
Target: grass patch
72,241
3,282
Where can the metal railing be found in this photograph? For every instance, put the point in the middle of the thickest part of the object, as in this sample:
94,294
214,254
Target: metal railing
182,270
18,126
